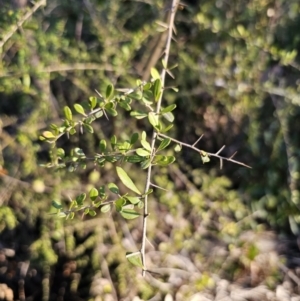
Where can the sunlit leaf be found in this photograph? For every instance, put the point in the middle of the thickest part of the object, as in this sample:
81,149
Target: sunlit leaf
157,89
92,212
135,259
68,113
132,199
169,108
93,194
153,119
142,152
79,109
155,74
93,102
146,145
105,208
126,180
129,214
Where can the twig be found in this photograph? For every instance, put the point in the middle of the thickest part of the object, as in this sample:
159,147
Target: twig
200,151
15,27
154,135
62,68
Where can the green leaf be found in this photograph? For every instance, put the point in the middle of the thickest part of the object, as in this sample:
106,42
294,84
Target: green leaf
113,140
134,159
155,74
178,148
153,119
144,135
112,111
48,135
146,145
141,205
145,164
92,212
56,205
99,114
135,259
142,152
79,109
205,157
166,129
93,102
60,152
134,138
72,131
138,114
68,113
80,199
109,92
105,208
129,214
93,194
125,105
88,127
169,116
164,144
147,87
156,89
163,160
113,188
126,180
133,199
169,108
119,203
102,145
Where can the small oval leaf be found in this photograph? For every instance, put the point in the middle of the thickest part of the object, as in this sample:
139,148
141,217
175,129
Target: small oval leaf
68,113
79,109
93,194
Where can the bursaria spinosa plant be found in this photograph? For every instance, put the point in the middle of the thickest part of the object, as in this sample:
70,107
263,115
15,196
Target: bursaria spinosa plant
141,149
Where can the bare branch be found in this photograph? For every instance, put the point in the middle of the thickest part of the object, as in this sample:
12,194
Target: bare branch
209,154
155,135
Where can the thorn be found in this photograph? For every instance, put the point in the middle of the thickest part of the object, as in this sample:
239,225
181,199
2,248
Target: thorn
233,155
170,73
220,149
156,186
198,140
105,114
221,163
99,93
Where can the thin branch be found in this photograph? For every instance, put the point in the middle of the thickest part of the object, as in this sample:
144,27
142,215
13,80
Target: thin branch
15,27
154,135
209,154
62,68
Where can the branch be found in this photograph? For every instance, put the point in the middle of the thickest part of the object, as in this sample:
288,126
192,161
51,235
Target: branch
216,155
15,27
155,135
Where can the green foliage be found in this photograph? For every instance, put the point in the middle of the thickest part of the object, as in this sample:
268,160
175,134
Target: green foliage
237,70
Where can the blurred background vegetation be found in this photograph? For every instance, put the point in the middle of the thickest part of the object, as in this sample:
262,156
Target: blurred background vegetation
215,231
